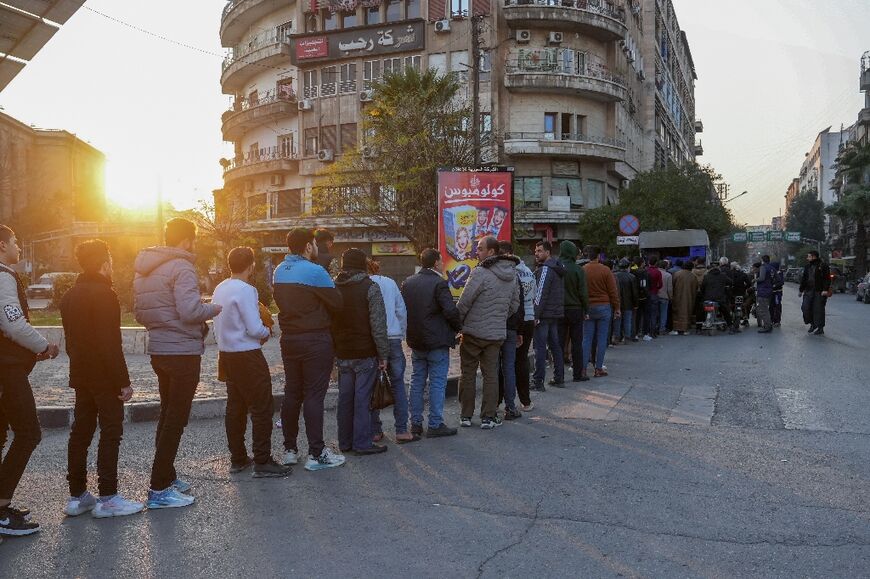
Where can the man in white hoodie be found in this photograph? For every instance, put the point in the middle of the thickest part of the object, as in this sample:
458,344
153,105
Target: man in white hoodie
397,326
240,334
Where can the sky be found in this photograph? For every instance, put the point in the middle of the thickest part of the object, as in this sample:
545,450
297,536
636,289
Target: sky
772,75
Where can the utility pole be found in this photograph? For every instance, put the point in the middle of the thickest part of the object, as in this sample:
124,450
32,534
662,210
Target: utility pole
475,84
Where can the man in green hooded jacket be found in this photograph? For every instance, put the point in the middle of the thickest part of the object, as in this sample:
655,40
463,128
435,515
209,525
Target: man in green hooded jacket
576,305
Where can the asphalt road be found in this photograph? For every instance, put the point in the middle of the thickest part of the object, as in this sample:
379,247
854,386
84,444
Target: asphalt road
724,456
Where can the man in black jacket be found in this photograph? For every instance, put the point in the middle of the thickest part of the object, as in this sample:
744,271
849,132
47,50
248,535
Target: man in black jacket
91,317
716,287
628,300
816,289
549,312
433,322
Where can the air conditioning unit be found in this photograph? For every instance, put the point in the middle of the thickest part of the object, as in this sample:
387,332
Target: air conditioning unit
555,38
369,152
366,96
442,26
524,36
306,105
325,155
277,180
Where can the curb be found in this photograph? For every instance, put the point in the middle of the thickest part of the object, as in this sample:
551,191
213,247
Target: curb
51,417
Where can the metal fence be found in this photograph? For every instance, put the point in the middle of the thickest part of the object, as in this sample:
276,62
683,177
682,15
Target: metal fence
570,137
613,10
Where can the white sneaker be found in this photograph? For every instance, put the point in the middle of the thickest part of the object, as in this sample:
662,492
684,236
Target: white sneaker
529,407
647,338
290,457
327,459
674,333
76,506
117,506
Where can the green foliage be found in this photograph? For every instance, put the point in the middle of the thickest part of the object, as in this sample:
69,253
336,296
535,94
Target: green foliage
264,290
671,198
807,215
61,285
854,203
414,125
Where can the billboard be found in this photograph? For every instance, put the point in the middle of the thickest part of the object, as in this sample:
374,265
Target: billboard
471,205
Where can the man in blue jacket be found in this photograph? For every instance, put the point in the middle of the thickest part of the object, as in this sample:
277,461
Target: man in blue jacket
549,312
764,294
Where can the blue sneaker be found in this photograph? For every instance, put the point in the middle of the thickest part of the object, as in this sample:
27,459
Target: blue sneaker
168,499
181,486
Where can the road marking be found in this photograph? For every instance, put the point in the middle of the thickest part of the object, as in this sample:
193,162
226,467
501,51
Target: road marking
695,405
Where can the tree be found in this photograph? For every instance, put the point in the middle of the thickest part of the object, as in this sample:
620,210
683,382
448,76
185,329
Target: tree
806,214
415,124
854,202
670,198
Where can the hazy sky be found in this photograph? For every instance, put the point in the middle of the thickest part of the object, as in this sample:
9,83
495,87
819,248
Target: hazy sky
772,74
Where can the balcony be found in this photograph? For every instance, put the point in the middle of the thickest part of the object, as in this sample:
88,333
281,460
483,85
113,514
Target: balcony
246,115
568,145
596,18
265,51
535,71
865,79
699,149
864,116
264,161
239,15
699,126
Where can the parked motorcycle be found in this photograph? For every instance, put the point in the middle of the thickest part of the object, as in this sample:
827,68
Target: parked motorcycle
713,320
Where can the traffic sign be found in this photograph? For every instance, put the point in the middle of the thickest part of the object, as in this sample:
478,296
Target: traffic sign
757,236
739,237
629,225
793,236
775,235
627,240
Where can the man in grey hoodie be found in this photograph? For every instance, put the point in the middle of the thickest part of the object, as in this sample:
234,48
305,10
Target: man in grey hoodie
169,305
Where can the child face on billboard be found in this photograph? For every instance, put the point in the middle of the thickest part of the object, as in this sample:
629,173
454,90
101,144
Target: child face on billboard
462,239
498,216
482,217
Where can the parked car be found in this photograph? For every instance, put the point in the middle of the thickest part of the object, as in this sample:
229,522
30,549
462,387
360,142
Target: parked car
838,280
863,292
793,274
44,287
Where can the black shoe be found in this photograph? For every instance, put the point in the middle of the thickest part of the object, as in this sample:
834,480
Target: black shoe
819,332
811,330
440,431
557,383
13,524
345,450
512,414
375,449
23,512
236,467
765,330
417,429
538,387
271,469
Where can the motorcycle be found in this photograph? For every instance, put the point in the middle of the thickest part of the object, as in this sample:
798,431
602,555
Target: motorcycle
738,312
713,320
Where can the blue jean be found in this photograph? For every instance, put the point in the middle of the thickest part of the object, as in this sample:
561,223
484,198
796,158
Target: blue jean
356,379
663,315
396,367
623,326
547,334
598,326
508,369
432,365
651,321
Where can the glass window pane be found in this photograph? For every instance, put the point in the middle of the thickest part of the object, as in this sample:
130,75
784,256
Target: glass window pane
373,15
570,186
595,194
412,9
330,20
532,189
348,19
394,10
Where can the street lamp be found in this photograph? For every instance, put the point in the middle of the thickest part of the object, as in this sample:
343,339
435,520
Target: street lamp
733,198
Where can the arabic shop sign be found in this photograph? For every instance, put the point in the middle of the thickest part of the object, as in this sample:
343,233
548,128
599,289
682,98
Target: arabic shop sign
363,41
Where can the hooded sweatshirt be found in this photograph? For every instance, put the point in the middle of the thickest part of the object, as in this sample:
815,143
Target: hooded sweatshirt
576,292
550,295
168,303
397,313
491,295
527,281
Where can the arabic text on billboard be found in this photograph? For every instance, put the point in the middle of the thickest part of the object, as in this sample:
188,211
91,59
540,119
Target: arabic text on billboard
471,205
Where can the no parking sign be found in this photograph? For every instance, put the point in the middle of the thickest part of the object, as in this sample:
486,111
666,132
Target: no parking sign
629,225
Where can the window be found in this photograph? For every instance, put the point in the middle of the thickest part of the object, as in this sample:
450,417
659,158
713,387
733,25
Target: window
485,123
328,137
254,151
566,125
283,32
580,127
414,62
387,198
348,19
371,73
438,62
394,10
287,145
287,203
348,78
550,125
328,79
348,137
373,15
412,9
485,66
311,141
566,61
568,186
253,98
311,22
459,8
594,194
580,62
330,20
527,191
256,207
459,65
392,66
309,84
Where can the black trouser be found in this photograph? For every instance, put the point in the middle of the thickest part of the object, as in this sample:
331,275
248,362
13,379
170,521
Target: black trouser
249,391
177,377
527,331
814,309
17,403
4,428
103,405
308,361
776,307
572,328
640,317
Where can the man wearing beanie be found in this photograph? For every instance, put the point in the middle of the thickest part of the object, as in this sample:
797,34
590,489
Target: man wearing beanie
362,347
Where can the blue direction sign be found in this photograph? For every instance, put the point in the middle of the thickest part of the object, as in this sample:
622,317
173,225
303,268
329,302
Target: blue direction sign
629,225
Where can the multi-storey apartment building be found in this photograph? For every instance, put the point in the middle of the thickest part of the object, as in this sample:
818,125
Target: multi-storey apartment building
577,95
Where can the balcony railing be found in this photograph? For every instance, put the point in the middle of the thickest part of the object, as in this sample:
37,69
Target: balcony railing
257,42
611,10
261,156
548,61
269,97
571,137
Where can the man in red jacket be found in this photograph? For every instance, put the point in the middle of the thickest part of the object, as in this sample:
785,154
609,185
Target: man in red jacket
651,318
